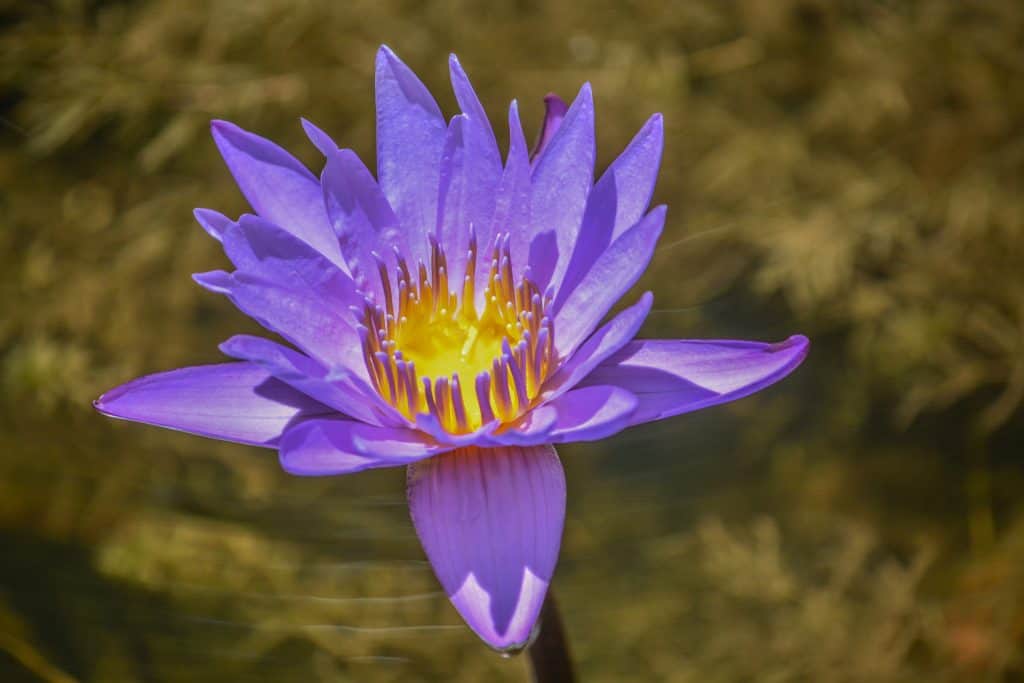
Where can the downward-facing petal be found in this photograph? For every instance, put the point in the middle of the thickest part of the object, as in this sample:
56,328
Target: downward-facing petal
277,186
231,401
670,377
491,524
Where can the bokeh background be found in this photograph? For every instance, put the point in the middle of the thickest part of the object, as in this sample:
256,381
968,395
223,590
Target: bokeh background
850,170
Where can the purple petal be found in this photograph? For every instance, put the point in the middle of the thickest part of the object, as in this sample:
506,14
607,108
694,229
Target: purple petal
363,220
531,429
216,281
468,184
322,332
321,140
258,247
584,414
603,343
614,272
328,446
670,377
617,202
277,185
554,112
512,205
483,159
591,413
410,139
213,222
341,390
431,426
490,521
232,401
478,129
561,181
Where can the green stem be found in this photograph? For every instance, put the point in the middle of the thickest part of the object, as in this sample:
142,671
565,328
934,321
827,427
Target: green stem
549,653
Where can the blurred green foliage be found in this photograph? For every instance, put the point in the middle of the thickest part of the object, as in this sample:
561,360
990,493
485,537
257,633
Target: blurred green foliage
851,170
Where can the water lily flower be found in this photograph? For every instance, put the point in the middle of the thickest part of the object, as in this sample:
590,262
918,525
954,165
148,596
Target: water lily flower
446,316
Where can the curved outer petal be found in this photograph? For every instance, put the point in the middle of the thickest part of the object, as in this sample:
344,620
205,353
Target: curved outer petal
561,181
410,139
340,390
326,446
491,524
262,249
670,377
277,186
615,334
614,272
231,401
362,219
619,199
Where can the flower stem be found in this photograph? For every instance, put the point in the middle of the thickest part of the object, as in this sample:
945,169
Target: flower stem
549,653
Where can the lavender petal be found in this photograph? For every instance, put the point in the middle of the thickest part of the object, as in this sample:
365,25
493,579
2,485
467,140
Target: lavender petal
277,186
615,271
328,446
410,139
561,181
238,402
676,376
491,523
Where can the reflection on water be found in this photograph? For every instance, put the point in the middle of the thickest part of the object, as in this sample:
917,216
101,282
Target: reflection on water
849,170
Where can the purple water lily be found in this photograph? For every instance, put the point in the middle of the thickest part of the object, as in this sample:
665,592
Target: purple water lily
445,316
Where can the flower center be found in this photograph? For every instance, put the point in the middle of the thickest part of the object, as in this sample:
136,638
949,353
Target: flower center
430,351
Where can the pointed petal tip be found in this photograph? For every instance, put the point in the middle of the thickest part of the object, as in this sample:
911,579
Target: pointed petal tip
230,345
217,281
554,103
798,342
656,124
385,55
99,403
223,127
213,222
